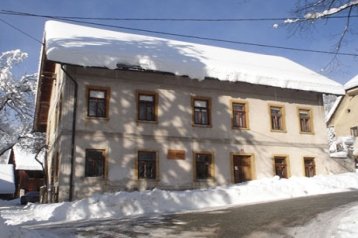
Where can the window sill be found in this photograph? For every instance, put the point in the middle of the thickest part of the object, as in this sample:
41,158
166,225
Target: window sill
97,118
279,131
306,133
147,122
201,126
240,128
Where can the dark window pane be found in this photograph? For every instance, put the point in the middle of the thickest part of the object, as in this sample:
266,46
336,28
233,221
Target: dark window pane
146,165
97,103
203,163
146,108
276,119
239,115
94,166
201,112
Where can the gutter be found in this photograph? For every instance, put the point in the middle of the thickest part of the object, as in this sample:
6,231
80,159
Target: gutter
70,197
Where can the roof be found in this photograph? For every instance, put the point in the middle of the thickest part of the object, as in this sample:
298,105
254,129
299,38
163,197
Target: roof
353,83
92,47
5,157
7,180
25,160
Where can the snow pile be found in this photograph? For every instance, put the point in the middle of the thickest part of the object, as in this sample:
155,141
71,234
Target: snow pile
351,83
25,160
340,146
92,47
122,204
14,231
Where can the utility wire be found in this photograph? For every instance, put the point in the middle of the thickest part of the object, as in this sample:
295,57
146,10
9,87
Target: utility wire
21,31
209,39
7,12
179,35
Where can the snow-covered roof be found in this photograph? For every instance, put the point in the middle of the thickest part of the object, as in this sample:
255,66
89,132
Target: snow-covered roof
334,108
25,160
5,157
351,83
7,180
92,47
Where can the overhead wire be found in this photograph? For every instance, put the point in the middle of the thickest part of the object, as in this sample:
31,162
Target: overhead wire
69,19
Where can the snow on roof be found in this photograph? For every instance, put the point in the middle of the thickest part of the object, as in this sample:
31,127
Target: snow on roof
4,158
92,47
351,83
334,108
25,160
7,180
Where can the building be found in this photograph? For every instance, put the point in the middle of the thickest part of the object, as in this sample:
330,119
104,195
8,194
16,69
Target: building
128,112
343,120
28,170
20,172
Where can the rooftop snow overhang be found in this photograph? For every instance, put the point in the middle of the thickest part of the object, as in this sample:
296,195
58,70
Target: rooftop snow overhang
91,47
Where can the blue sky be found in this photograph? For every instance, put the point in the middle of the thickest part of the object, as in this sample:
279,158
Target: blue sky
320,36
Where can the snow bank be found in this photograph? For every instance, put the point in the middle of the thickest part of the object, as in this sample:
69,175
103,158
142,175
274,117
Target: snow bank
123,204
25,160
92,47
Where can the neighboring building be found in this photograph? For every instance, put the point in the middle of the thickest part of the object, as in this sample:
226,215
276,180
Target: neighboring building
29,171
126,112
343,120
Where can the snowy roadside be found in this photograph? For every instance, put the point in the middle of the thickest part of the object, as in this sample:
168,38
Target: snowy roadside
126,204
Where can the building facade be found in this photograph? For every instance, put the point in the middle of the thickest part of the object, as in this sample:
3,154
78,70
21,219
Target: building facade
134,129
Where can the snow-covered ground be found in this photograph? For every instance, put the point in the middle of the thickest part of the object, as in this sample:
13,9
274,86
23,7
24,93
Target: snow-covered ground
126,204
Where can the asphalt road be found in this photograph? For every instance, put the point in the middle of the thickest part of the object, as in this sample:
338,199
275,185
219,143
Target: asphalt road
274,219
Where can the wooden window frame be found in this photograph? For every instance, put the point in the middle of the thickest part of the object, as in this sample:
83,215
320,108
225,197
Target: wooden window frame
105,163
252,160
155,111
211,167
209,109
309,110
246,110
283,117
136,166
107,91
304,165
287,161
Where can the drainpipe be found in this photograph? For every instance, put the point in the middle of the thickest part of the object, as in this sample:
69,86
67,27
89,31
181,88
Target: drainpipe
70,197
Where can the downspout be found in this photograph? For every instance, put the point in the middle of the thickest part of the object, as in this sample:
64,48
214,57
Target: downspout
73,132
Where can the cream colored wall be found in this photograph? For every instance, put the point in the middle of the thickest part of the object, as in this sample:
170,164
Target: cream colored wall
346,115
122,136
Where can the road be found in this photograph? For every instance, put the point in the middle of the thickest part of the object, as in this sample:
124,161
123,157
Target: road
274,219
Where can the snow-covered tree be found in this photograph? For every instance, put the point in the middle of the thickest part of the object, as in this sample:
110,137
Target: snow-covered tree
16,104
309,11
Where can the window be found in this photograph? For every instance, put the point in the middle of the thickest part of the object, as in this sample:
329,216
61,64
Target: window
281,166
310,167
277,118
147,106
354,131
147,165
95,163
201,111
305,120
203,166
97,102
239,115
